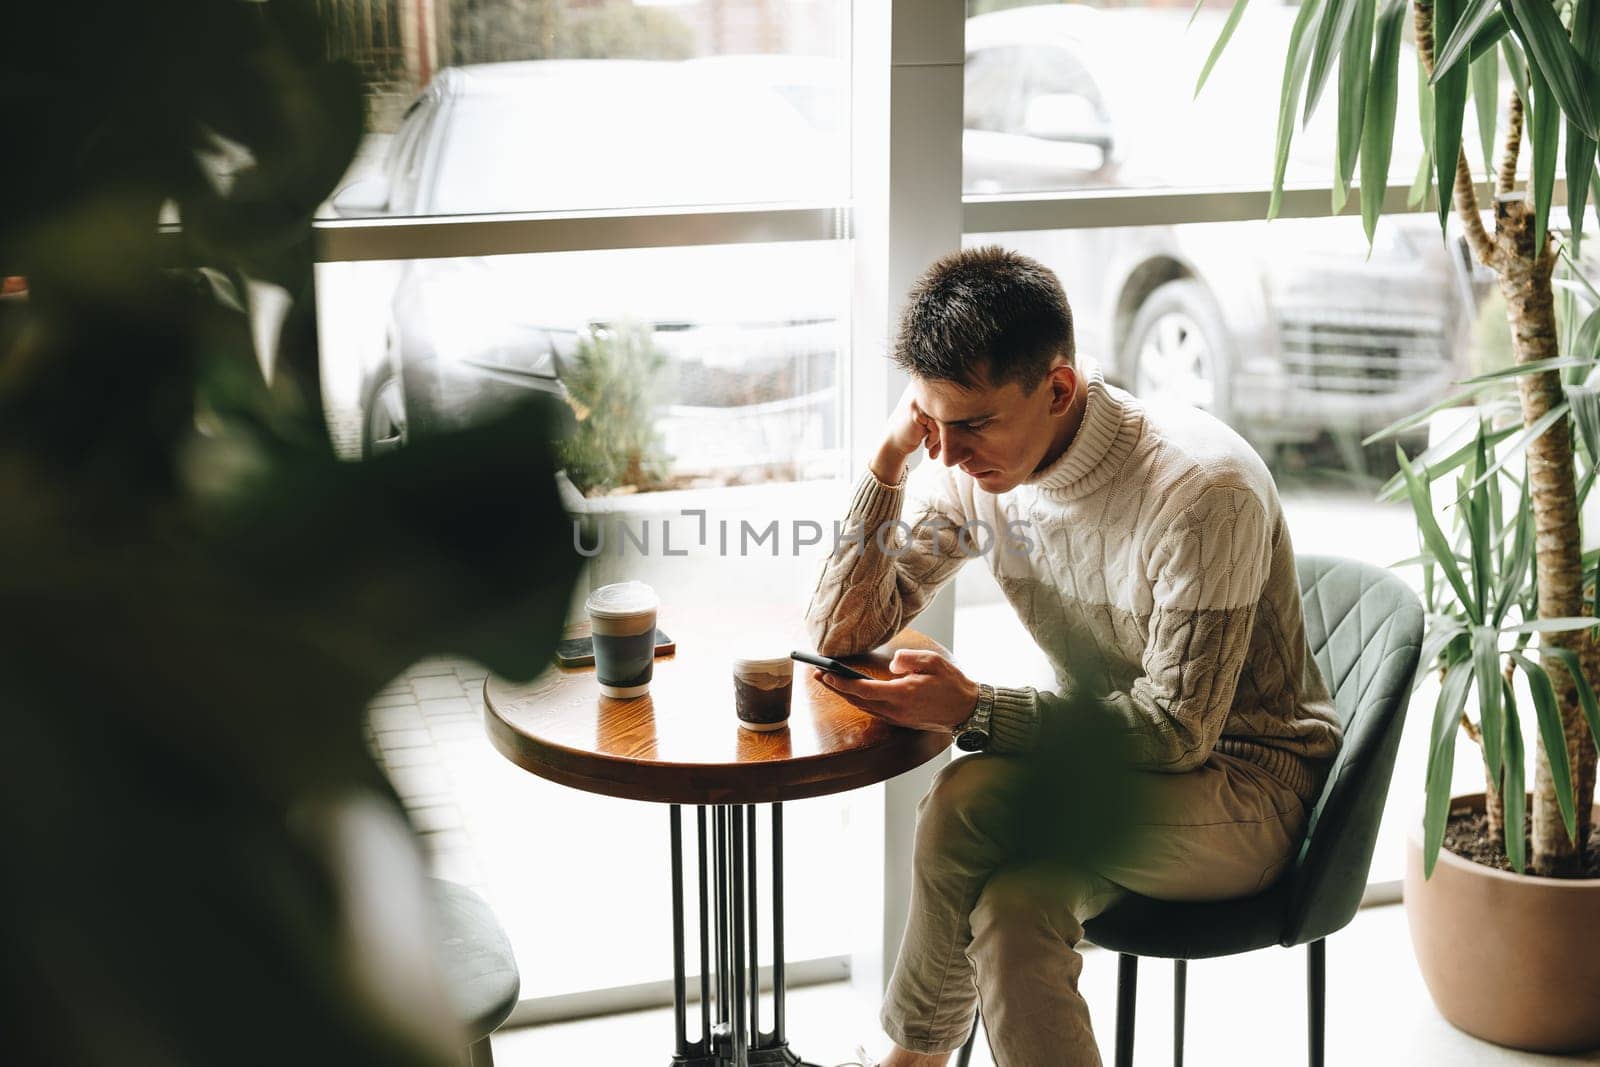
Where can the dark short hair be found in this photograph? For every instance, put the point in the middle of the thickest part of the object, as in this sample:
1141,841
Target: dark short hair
985,314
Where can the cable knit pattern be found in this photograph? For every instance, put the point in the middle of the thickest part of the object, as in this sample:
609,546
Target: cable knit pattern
1154,548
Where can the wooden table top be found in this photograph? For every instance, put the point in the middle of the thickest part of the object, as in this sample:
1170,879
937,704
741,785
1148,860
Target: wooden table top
682,744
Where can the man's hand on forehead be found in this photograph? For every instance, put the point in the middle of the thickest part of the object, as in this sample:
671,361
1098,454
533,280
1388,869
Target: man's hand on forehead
930,440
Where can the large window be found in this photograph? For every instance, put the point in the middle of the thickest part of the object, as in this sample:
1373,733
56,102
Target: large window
640,210
682,367
1080,96
730,357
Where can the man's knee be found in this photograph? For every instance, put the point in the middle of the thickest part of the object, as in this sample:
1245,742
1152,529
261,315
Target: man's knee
1026,903
966,802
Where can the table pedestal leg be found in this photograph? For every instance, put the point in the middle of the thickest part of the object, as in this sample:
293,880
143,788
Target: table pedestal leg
730,976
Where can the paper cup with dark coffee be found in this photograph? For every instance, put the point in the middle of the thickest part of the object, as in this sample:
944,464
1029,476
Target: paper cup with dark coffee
762,686
622,620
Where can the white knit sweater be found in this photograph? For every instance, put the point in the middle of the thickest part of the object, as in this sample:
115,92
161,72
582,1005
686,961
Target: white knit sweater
1156,544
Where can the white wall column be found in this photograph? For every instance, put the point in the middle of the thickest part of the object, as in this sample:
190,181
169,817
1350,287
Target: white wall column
906,62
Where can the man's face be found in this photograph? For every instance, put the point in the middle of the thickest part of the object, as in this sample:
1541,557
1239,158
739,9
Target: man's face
998,435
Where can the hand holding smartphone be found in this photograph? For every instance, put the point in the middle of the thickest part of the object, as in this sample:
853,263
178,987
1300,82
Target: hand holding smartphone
832,666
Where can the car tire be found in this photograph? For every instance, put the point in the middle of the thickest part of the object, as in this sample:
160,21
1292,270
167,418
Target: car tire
1178,349
384,425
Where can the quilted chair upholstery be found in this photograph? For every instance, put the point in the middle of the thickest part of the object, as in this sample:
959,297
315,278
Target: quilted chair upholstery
1364,626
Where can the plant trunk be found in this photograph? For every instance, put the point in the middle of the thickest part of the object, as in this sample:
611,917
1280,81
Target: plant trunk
1494,809
1524,276
1494,805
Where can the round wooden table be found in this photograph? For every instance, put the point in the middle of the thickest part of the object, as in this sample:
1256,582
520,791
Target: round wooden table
682,744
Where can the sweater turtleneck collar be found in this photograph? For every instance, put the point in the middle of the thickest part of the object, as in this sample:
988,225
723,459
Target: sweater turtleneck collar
1104,439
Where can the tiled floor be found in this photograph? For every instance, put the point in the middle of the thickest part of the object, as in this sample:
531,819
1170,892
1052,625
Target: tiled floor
418,723
1247,1011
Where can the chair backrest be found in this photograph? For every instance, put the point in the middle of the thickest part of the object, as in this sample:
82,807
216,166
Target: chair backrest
1364,626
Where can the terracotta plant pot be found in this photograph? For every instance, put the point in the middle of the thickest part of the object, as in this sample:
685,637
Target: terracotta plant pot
1508,958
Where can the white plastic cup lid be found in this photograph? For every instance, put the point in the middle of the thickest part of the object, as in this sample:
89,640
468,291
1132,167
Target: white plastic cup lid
621,600
763,664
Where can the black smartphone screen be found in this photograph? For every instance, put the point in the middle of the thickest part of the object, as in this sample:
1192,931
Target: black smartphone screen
833,666
579,651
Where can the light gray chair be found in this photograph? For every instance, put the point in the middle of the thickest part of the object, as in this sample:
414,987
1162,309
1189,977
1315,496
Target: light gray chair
480,971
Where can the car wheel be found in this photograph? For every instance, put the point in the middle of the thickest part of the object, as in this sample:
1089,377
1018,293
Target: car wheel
383,414
1178,349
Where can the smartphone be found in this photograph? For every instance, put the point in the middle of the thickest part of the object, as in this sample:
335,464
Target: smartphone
579,651
833,666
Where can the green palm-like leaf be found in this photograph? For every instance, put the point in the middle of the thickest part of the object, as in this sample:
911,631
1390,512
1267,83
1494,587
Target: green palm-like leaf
1438,461
1441,760
1377,124
1478,529
1476,387
1535,366
1524,439
1424,179
1544,128
1442,630
1559,624
1576,278
1553,58
1433,538
1580,146
1478,17
1485,75
1580,170
1488,38
1513,790
1491,708
1355,67
1586,697
1551,732
1516,65
1332,34
1586,346
1585,401
1222,40
1514,573
1301,37
1449,106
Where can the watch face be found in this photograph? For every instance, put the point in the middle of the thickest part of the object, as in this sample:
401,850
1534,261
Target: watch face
971,741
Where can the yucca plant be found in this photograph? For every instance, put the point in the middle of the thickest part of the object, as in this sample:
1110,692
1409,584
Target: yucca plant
1550,52
1481,597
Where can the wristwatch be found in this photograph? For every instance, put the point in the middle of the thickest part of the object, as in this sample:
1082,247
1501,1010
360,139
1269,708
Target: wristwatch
973,735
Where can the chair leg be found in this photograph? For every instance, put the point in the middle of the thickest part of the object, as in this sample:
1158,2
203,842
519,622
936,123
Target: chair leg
1127,1002
1180,991
479,1054
964,1057
1316,998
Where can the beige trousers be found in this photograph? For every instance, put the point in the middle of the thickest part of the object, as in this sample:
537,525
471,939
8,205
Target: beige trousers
1004,937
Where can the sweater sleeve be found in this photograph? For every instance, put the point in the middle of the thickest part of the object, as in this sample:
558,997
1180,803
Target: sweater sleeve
885,569
1209,567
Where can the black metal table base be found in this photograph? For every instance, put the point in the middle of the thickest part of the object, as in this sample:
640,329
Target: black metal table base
730,971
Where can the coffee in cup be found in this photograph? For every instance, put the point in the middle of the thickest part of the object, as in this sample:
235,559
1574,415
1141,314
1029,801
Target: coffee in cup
622,622
762,686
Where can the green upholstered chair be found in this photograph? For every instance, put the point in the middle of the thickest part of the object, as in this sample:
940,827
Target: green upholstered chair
1364,626
479,970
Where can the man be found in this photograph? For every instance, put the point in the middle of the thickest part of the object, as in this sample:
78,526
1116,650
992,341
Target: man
1152,536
